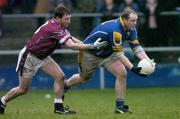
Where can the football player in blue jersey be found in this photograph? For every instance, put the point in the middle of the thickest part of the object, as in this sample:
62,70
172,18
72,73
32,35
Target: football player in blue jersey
116,32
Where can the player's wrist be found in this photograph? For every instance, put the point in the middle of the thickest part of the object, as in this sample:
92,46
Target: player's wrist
91,46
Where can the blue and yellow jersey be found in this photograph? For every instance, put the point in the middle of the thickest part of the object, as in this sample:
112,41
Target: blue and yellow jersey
115,33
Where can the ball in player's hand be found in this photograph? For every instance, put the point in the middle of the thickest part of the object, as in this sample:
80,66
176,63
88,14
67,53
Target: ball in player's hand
147,66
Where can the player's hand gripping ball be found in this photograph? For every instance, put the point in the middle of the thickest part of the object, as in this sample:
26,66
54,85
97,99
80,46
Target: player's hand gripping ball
147,66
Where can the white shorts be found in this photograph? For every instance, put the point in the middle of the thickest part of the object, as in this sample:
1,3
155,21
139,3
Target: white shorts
28,64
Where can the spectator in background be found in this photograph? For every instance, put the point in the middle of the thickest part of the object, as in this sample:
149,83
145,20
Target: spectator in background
19,6
99,4
54,3
2,4
86,6
129,4
141,4
169,23
41,8
151,26
47,6
108,8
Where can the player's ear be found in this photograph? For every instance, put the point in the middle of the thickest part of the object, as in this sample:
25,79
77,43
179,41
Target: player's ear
124,20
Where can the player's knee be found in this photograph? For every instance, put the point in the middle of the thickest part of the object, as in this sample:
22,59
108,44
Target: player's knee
60,77
122,75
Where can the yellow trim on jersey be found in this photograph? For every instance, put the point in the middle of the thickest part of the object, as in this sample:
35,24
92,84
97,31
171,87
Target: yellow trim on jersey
136,48
133,41
106,22
122,24
116,53
117,48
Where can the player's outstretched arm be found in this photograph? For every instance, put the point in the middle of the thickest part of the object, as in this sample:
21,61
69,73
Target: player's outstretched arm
142,55
97,45
76,40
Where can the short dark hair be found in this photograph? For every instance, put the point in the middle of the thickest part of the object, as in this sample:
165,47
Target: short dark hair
60,10
125,14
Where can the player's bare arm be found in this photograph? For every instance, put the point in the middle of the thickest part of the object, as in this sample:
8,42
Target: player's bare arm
76,40
142,55
71,44
97,45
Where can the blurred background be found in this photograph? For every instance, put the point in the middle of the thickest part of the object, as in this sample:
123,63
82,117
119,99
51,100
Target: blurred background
158,32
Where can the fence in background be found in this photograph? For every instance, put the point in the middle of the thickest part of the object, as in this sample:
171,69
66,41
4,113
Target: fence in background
165,75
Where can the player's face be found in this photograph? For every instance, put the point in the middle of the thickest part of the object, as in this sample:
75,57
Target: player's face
132,21
65,20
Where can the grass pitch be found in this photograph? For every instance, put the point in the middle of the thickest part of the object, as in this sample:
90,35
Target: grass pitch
146,103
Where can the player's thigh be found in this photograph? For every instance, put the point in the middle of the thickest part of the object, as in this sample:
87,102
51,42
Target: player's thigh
52,68
117,68
27,64
88,65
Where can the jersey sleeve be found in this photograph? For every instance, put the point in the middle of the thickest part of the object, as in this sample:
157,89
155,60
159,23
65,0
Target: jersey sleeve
62,36
65,38
134,43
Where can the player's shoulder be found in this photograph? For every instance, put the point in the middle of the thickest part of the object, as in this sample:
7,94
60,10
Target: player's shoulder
110,25
113,22
54,26
47,26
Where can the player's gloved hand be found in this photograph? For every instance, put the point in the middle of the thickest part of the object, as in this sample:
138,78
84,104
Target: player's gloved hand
99,44
137,70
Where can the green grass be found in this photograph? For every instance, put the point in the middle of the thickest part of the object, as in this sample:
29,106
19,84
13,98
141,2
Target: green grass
146,103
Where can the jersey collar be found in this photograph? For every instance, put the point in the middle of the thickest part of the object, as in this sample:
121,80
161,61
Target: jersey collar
122,24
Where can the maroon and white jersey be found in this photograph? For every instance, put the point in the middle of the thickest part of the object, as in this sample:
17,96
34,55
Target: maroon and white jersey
47,38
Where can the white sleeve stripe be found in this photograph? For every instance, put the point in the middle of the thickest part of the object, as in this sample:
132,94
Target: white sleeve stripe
64,39
139,49
95,34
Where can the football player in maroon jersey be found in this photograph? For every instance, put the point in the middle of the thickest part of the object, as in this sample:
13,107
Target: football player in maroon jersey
36,55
